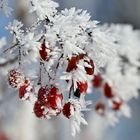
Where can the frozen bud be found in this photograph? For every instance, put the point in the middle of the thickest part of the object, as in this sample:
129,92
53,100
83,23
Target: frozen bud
16,78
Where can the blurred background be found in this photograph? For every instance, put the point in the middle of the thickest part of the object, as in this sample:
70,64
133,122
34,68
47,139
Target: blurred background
17,122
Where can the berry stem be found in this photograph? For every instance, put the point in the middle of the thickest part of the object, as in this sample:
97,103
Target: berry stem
19,55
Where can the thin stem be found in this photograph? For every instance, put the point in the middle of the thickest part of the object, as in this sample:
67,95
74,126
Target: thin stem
19,55
13,46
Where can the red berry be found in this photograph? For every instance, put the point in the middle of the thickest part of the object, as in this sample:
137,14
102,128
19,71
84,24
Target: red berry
16,78
90,71
44,52
42,95
100,108
25,90
108,91
83,86
51,99
68,110
97,81
54,99
117,104
54,90
39,109
72,65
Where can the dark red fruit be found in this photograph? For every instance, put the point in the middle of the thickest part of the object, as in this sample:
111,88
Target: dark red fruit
72,65
54,90
42,95
16,78
43,52
54,99
90,71
39,109
117,105
97,81
68,110
50,98
25,90
108,91
83,86
100,108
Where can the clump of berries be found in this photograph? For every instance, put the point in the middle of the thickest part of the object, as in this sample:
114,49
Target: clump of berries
49,102
108,93
17,79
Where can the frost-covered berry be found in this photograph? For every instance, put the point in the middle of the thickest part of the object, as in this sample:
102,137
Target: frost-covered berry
44,52
68,110
116,104
51,100
54,99
83,86
108,91
25,90
39,109
72,65
42,95
16,78
90,70
97,81
100,108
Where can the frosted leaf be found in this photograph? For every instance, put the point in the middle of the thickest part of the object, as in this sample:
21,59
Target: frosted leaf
43,8
31,46
77,117
15,29
69,31
123,71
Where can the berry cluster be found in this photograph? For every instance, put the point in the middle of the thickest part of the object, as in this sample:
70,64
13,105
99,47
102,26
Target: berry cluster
81,86
49,102
18,80
115,101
